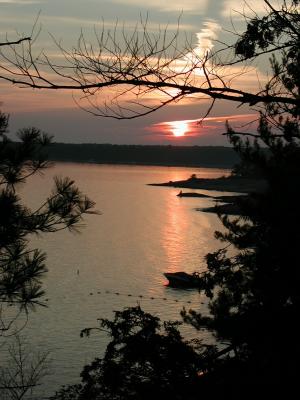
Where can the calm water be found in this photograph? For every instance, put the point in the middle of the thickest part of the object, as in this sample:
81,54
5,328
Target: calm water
142,232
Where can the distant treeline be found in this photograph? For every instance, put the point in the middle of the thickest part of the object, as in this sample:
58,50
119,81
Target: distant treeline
209,156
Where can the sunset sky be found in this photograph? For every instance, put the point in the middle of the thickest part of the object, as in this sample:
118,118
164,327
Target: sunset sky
56,113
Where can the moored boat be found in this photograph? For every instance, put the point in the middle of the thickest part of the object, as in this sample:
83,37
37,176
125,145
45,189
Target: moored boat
182,279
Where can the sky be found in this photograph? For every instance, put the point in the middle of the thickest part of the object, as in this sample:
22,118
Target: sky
202,21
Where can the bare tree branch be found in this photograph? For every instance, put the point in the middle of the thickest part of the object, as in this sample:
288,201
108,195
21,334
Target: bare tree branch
9,43
139,64
23,371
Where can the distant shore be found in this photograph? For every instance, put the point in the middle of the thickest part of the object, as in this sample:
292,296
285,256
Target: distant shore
143,164
169,156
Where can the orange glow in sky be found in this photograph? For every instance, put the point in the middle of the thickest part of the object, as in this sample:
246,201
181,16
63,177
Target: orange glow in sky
184,130
179,128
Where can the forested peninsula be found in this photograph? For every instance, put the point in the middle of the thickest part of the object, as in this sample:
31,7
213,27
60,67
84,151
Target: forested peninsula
189,156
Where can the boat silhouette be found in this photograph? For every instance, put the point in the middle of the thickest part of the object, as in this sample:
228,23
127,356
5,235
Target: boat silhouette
182,279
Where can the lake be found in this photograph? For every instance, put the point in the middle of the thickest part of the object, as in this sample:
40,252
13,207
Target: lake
118,258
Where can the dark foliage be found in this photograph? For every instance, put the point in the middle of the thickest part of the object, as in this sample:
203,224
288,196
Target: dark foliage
145,359
255,292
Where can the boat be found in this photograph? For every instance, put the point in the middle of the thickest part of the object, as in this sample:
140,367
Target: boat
191,194
182,279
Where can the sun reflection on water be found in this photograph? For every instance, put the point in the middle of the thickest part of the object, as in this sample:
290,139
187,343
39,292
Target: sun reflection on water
174,233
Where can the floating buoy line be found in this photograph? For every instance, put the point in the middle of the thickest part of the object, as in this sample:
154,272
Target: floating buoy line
143,297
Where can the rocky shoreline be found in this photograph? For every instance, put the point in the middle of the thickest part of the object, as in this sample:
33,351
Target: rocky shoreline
223,184
243,186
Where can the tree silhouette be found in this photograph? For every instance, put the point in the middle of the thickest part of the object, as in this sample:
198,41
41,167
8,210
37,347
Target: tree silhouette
254,293
145,359
21,268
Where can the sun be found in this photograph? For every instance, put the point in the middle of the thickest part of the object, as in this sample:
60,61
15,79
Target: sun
179,128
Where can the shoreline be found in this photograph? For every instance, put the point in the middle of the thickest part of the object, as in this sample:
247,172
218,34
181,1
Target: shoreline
242,187
223,184
145,164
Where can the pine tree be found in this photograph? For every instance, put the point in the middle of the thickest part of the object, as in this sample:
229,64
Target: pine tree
21,268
